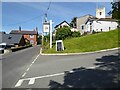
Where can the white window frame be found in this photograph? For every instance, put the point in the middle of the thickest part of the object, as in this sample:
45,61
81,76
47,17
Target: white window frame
31,36
83,27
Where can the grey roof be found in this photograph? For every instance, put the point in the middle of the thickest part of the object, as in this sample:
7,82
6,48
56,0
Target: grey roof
84,19
102,19
24,32
10,39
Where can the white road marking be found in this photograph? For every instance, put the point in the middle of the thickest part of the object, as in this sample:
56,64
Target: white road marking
30,66
31,81
19,83
33,62
24,74
28,69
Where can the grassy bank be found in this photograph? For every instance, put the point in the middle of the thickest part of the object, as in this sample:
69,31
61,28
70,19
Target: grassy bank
94,42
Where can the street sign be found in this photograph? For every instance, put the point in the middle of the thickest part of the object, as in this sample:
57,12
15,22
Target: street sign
46,27
59,45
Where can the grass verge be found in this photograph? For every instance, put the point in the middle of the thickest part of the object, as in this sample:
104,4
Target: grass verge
93,42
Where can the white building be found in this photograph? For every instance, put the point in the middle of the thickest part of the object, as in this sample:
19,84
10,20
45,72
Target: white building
100,12
100,23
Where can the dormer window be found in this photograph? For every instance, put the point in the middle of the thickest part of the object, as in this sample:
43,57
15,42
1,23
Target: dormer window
9,37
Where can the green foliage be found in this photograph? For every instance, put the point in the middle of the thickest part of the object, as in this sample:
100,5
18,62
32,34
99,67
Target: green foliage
63,33
73,22
47,38
27,43
116,10
76,34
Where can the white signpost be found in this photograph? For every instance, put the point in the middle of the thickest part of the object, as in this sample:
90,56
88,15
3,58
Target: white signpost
47,28
50,33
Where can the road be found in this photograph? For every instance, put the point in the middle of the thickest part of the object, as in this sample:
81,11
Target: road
14,65
86,70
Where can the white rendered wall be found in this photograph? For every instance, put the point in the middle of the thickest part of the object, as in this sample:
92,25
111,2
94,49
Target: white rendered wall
63,24
104,25
102,10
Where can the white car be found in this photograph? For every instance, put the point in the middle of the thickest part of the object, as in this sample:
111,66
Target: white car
2,47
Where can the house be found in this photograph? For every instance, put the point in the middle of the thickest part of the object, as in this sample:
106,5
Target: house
11,40
98,23
61,25
30,36
101,25
81,22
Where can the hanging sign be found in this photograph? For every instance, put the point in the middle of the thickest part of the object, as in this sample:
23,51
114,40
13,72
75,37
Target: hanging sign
46,27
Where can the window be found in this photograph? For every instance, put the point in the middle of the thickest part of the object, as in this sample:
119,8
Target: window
109,28
100,13
31,42
31,36
82,27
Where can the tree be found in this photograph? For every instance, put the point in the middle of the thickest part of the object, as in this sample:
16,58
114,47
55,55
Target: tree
76,34
116,9
62,33
73,22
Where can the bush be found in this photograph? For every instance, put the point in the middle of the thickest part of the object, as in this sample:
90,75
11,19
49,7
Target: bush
63,33
76,34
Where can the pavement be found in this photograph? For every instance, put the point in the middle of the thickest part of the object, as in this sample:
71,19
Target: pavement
91,70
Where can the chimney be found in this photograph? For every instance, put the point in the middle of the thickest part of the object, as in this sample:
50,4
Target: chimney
19,28
36,29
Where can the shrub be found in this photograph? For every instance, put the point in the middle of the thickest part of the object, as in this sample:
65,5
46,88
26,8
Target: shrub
76,34
63,33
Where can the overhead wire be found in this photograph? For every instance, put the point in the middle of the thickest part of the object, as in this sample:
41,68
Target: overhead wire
46,13
22,22
26,21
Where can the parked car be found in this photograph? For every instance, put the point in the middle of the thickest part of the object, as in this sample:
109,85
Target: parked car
2,47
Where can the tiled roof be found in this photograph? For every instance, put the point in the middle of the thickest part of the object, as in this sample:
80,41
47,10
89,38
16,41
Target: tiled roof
23,32
10,38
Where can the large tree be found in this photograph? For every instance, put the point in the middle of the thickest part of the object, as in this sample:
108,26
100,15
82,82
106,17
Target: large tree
116,9
73,22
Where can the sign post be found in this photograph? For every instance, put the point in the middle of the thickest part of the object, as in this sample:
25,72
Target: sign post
50,33
47,28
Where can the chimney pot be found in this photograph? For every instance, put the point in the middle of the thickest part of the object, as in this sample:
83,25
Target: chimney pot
19,28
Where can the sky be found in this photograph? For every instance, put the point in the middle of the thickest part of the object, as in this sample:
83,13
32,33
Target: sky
29,15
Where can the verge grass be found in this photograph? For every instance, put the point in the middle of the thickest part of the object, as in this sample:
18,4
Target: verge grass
93,42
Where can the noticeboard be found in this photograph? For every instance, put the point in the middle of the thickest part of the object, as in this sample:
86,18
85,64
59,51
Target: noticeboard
59,45
46,27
